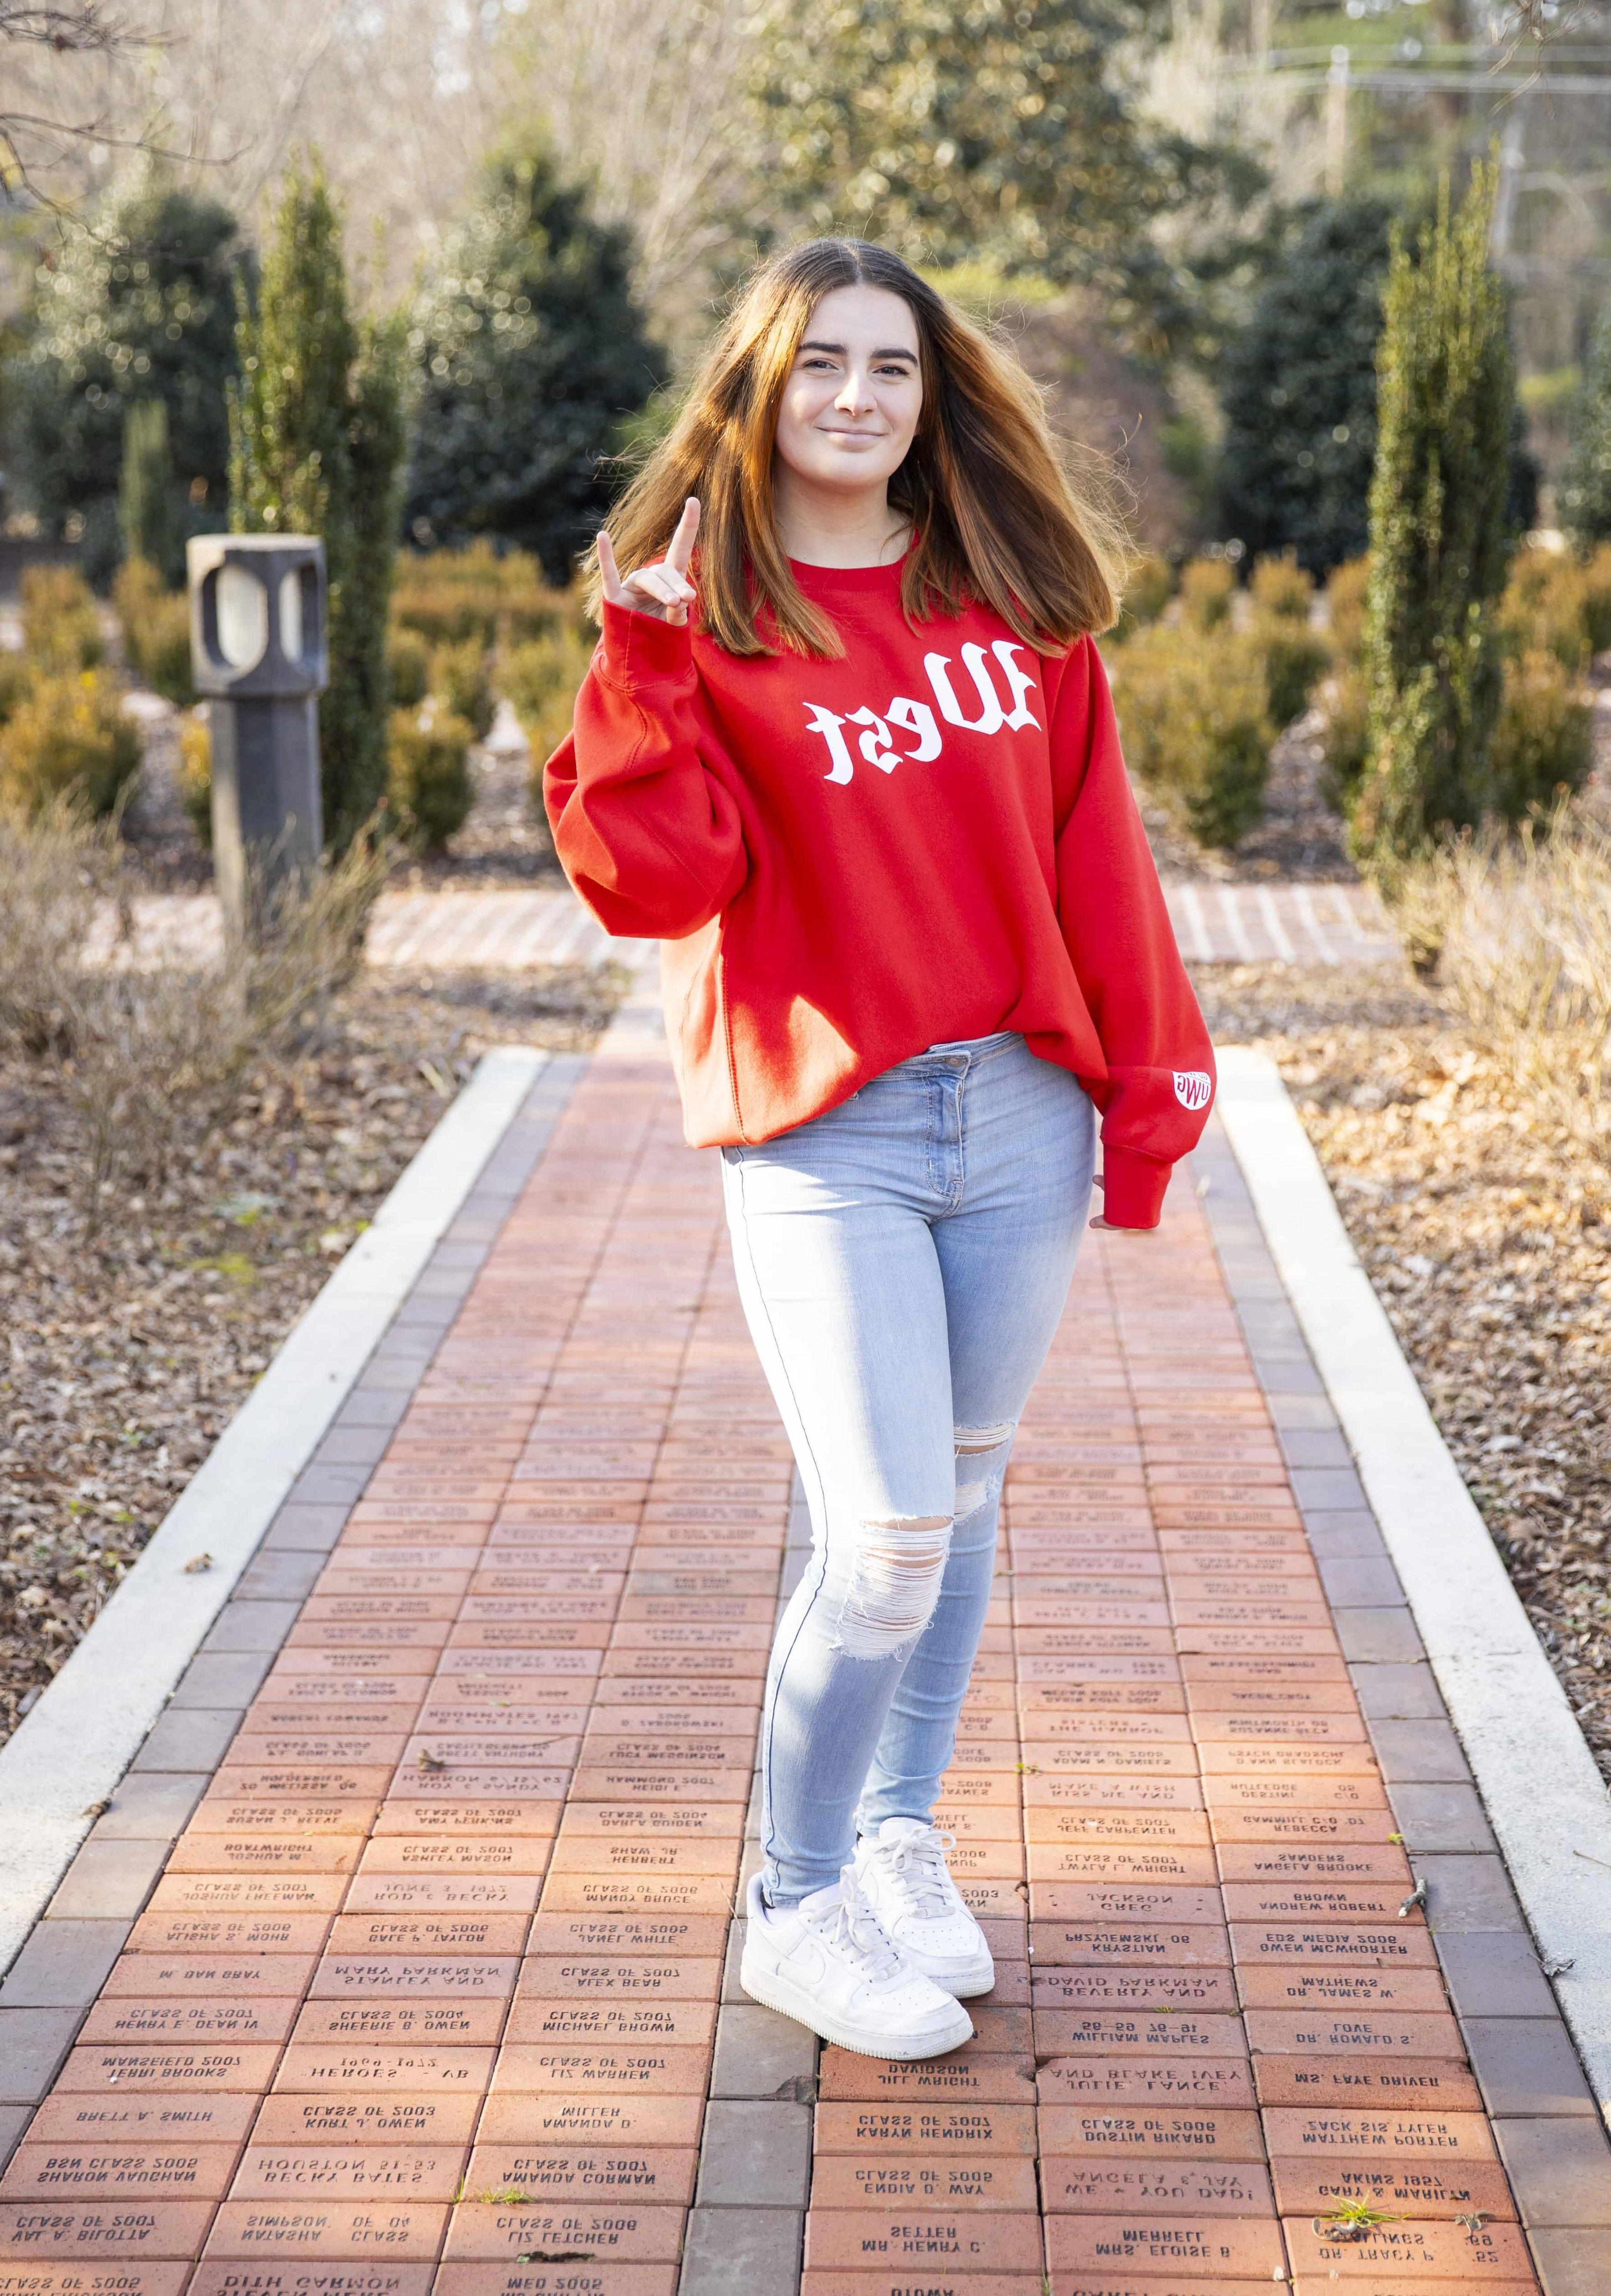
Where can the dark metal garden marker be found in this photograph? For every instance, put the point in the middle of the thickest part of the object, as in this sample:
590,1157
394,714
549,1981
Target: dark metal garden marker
257,619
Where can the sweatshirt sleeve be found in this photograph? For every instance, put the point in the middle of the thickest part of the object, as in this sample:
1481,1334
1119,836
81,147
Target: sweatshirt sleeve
1156,1095
646,827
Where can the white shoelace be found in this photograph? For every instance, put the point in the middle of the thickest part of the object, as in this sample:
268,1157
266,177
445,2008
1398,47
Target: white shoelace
853,1929
917,1866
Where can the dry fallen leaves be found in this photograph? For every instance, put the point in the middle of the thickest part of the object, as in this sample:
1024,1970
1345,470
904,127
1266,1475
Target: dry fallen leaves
1486,1229
127,1354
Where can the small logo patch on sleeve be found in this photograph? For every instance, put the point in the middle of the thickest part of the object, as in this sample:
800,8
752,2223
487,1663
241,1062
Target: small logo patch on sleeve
1193,1089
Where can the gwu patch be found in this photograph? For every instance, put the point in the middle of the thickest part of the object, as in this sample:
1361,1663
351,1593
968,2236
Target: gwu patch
1192,1088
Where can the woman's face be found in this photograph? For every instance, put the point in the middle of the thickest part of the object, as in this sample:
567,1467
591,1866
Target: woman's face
850,407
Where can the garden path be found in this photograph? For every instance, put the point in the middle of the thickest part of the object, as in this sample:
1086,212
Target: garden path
507,930
403,1958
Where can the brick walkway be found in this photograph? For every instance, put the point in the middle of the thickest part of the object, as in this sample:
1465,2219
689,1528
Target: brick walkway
403,1944
504,931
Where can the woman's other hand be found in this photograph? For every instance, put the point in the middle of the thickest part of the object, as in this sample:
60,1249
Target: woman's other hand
662,590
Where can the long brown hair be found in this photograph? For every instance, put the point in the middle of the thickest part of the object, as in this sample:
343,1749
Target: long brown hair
996,515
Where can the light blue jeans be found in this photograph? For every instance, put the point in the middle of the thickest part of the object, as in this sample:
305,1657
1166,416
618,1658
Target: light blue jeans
904,1261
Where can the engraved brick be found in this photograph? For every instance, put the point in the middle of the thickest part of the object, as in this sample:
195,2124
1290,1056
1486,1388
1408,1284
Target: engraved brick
320,2228
1149,2189
940,2129
620,2232
922,2240
1145,2080
1405,2188
1206,2248
1428,2251
980,2180
1150,2132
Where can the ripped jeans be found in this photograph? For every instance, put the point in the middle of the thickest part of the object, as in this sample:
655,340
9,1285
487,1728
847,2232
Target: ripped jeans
904,1261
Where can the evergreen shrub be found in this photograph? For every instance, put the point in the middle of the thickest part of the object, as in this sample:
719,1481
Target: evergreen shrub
1439,536
148,508
155,622
317,440
1294,656
450,596
541,681
1543,738
1582,492
408,667
60,621
196,772
1346,588
1194,714
139,306
429,790
461,678
68,737
1299,389
531,355
1208,586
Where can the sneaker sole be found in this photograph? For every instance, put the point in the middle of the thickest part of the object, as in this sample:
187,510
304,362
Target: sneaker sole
774,1993
974,1981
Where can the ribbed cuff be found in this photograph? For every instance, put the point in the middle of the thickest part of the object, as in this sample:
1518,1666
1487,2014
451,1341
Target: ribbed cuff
641,645
1132,1187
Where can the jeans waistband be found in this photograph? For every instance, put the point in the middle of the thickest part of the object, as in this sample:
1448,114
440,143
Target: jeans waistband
968,1050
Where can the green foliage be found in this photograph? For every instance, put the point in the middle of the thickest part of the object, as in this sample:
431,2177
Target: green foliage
156,630
460,678
196,774
1208,586
140,307
531,353
1347,587
67,737
429,792
1543,739
498,598
15,678
1545,608
1192,710
408,668
1294,656
541,680
1299,389
1582,493
994,135
148,509
1597,599
1344,737
1438,536
1147,593
317,431
60,622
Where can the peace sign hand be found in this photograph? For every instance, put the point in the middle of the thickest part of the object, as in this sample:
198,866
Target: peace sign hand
662,590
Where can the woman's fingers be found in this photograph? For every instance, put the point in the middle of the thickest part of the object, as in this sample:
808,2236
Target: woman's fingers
681,555
609,572
662,590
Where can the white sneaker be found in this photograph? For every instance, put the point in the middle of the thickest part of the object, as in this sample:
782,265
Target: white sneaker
829,1962
904,1877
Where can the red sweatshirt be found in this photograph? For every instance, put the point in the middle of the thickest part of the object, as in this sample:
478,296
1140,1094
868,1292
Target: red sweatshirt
849,861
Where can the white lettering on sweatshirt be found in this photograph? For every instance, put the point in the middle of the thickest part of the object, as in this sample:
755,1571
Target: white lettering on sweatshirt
877,742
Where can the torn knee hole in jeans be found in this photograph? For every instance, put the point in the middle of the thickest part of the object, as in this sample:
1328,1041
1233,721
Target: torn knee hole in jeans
895,1584
971,1443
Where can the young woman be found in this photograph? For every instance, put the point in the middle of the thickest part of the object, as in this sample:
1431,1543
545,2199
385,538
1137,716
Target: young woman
847,749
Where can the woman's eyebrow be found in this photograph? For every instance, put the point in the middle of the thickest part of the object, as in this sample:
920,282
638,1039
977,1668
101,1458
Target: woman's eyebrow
836,350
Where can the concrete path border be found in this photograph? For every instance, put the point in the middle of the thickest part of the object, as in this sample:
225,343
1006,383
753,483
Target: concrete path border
68,1754
1543,1793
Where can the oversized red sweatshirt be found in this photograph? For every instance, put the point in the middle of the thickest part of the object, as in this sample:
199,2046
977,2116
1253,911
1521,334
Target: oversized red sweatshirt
849,861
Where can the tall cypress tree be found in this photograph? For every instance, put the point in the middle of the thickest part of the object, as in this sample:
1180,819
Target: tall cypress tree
316,446
1439,539
1583,491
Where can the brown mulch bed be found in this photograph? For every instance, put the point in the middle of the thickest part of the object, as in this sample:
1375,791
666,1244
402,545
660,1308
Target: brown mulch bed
1487,1234
129,1351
